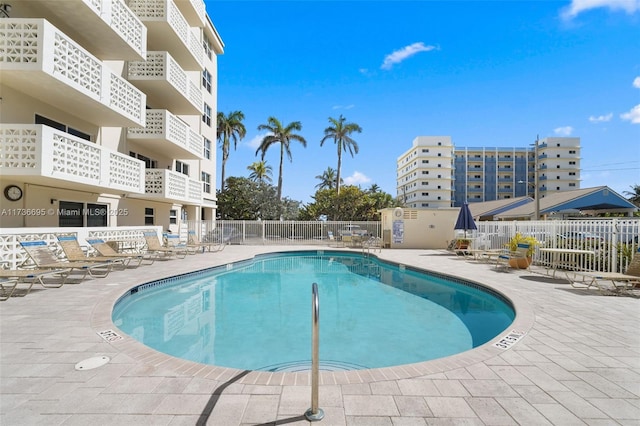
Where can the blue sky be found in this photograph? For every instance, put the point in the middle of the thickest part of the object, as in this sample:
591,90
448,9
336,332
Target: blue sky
487,73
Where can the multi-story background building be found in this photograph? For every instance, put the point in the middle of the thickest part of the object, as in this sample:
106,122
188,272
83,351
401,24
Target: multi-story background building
108,112
486,173
425,173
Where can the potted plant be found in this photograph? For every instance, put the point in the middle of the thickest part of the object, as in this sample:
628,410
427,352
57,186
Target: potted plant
513,245
462,243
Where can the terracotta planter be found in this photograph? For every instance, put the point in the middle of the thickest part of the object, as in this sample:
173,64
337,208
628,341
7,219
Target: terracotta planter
520,263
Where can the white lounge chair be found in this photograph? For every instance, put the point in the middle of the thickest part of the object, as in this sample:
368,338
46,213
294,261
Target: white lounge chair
620,282
42,256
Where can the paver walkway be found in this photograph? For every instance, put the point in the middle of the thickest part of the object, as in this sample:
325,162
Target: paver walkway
579,363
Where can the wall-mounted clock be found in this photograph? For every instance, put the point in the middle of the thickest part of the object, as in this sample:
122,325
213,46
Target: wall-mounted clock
13,192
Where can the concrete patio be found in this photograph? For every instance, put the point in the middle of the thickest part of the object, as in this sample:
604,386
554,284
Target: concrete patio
578,363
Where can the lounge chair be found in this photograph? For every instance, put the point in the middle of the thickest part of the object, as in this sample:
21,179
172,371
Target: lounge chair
620,282
173,241
44,258
332,239
107,251
74,253
10,279
154,246
504,258
194,241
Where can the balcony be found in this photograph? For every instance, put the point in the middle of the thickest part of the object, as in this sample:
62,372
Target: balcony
106,28
43,155
194,11
40,61
166,84
167,29
169,186
168,134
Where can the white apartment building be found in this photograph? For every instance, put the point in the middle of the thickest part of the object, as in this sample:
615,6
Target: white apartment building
107,113
425,173
486,173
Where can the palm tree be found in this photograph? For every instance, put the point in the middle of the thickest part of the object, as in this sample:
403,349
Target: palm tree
230,128
373,188
633,195
327,179
260,172
282,135
340,132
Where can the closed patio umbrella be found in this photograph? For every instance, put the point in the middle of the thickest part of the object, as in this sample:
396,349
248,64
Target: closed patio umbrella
465,220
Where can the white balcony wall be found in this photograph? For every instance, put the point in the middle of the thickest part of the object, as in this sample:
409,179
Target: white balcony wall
39,60
194,11
170,186
167,133
107,28
166,84
168,29
41,154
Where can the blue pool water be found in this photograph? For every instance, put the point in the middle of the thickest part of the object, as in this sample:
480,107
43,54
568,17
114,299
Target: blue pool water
256,315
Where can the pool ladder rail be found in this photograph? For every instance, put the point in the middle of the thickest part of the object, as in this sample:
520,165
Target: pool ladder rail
314,413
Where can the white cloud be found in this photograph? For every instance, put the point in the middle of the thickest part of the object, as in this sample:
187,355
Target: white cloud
601,118
343,106
401,54
633,116
578,6
356,178
255,142
563,131
636,82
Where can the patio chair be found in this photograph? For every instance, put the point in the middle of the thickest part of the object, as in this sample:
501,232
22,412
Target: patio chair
173,241
10,279
154,246
620,282
194,241
332,239
105,250
505,258
42,256
74,253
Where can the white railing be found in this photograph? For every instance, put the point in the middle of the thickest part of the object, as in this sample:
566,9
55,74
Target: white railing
12,254
194,11
613,240
39,150
127,25
166,10
37,45
162,66
170,185
162,125
275,232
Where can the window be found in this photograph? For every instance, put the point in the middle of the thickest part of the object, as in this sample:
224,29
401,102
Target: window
439,165
572,184
206,115
206,80
439,154
148,162
557,155
439,143
182,167
572,152
425,161
206,44
572,163
206,182
558,166
425,194
149,216
425,172
78,214
572,173
173,217
439,187
207,149
439,197
425,150
52,123
425,183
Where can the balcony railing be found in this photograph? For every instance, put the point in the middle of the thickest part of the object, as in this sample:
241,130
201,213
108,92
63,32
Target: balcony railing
169,30
166,84
35,151
167,133
41,61
194,12
107,28
167,185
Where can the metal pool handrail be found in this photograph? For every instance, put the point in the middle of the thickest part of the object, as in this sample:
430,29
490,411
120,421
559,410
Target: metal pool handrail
314,413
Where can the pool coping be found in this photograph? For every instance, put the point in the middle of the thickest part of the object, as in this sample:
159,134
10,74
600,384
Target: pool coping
102,324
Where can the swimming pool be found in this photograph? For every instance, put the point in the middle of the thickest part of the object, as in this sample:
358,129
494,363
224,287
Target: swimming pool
255,315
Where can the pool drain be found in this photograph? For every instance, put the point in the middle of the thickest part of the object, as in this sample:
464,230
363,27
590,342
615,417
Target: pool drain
91,363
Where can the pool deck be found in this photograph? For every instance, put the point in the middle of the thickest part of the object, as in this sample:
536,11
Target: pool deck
578,363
